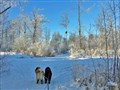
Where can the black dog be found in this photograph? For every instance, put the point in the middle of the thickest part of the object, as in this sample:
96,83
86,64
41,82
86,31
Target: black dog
48,75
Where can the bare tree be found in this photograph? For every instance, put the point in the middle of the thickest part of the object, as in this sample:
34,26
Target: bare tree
64,22
79,21
79,24
4,25
106,39
113,9
5,5
47,35
36,22
119,47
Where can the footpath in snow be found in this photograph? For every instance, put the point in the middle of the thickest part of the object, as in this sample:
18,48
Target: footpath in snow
18,72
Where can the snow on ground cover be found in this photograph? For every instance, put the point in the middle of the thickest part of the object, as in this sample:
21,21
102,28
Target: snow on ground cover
21,75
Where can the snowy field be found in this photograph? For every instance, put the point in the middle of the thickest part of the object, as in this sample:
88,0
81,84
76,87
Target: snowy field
18,72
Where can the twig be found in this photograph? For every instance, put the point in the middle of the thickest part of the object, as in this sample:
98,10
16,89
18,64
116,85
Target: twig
5,10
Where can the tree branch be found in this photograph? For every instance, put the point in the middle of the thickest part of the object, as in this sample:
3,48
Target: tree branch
5,10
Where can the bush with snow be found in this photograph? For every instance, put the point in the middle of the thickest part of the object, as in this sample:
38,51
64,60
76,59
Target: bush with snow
3,64
38,49
19,44
48,51
112,85
78,73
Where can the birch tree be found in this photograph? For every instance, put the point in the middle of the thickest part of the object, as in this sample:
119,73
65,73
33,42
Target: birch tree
79,24
65,22
36,23
3,25
114,12
106,39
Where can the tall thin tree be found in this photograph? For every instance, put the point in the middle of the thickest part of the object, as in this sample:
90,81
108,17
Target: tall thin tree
79,24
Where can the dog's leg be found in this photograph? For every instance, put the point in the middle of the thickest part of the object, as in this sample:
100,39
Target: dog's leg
45,79
41,81
37,81
49,79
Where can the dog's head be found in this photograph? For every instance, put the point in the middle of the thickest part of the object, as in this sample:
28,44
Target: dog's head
37,70
47,69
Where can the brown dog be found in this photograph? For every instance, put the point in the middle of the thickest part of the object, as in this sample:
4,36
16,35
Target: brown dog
39,75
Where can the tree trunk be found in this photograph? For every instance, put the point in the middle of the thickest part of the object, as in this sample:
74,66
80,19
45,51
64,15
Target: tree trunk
79,24
106,42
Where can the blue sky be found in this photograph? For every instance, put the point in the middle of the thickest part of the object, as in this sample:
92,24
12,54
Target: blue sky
53,9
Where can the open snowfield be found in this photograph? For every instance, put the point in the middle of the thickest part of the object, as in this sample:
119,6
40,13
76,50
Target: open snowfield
18,72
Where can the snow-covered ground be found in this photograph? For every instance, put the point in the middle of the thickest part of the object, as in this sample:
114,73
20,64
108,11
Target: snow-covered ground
18,72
